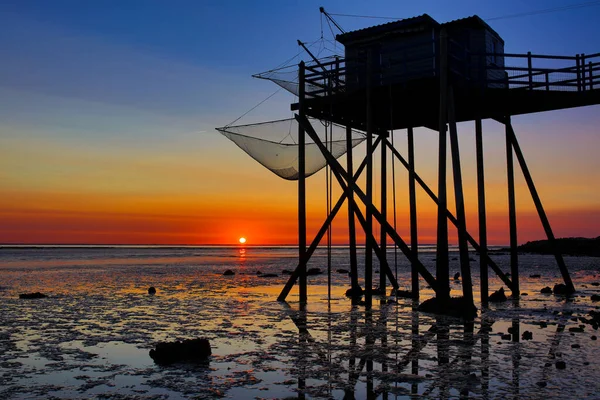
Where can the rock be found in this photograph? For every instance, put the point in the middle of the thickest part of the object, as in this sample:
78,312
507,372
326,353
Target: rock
576,329
269,275
546,290
191,350
561,365
595,297
354,292
286,272
455,307
506,337
471,259
535,276
36,295
457,276
561,289
342,271
524,294
575,346
594,337
454,258
313,271
541,384
527,335
228,273
543,324
151,290
595,283
498,296
258,273
379,291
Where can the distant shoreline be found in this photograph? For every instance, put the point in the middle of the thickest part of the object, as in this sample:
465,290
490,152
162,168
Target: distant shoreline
572,246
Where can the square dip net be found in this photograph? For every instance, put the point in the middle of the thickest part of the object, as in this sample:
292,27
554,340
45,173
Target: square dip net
274,144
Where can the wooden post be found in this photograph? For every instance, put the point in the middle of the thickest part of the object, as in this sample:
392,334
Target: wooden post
547,81
302,188
483,268
578,68
591,73
529,70
540,209
369,178
383,238
463,246
442,273
351,223
412,193
581,71
512,213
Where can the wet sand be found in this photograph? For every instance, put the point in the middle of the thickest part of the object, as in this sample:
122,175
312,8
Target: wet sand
91,337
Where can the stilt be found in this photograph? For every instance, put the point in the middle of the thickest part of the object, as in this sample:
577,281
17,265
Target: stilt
369,184
383,238
351,225
441,264
540,209
301,190
412,193
483,268
463,246
512,213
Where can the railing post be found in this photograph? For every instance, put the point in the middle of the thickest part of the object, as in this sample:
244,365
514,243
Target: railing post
581,71
578,66
529,72
591,77
547,82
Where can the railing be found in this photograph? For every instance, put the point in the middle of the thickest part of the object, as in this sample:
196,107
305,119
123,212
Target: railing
578,73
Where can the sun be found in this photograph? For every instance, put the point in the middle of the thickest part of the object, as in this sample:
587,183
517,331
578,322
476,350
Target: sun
242,240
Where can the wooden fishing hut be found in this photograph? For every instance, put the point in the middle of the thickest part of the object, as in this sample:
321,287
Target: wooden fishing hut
413,73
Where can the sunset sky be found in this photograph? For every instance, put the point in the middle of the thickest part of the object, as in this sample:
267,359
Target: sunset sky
108,110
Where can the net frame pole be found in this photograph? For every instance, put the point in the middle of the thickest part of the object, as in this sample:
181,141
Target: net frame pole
302,189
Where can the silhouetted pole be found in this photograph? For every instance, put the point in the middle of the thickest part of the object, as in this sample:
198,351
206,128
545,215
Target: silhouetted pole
383,239
369,200
412,193
512,212
441,265
351,223
301,189
463,246
540,209
483,268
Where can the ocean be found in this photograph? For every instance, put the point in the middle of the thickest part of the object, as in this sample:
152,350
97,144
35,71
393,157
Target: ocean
91,337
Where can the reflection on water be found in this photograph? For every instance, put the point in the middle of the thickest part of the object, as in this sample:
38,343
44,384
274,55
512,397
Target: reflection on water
91,337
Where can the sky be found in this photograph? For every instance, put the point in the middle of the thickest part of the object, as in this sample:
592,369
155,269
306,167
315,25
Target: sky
108,110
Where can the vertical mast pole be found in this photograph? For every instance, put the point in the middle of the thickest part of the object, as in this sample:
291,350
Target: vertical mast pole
512,212
414,245
441,267
483,267
302,189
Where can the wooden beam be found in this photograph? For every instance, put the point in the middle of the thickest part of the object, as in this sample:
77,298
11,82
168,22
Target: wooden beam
412,194
302,190
540,209
512,212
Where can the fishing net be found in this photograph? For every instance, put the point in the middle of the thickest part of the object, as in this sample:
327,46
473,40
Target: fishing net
274,144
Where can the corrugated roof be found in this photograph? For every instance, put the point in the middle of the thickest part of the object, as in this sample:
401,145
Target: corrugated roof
411,25
472,21
400,26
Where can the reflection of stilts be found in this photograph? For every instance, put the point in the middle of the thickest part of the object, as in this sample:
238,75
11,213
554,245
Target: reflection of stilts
515,356
484,333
